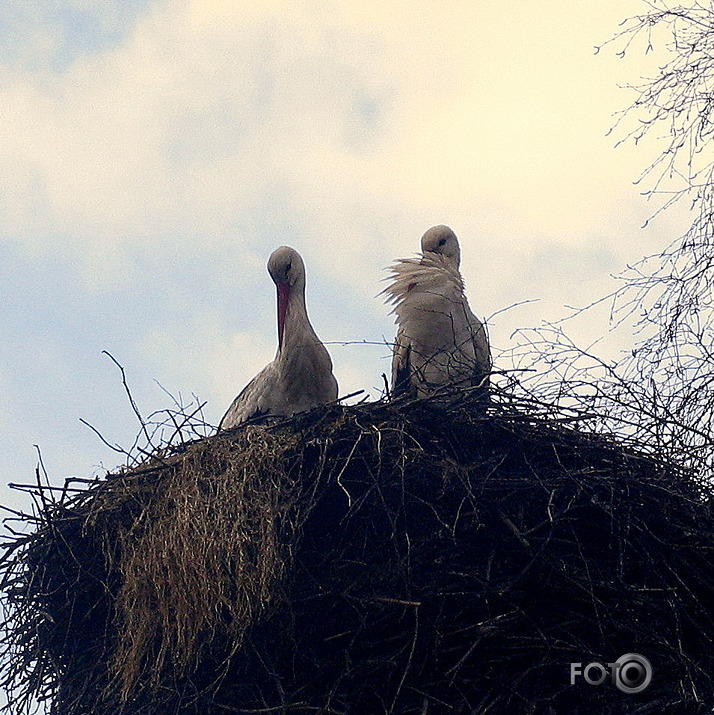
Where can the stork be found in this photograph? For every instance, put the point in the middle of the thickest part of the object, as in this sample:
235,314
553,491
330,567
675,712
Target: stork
300,377
440,342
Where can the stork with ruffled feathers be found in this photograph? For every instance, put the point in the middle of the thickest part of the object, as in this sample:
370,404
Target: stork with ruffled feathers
440,343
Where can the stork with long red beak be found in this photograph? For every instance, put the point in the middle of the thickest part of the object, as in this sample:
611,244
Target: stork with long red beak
440,343
300,377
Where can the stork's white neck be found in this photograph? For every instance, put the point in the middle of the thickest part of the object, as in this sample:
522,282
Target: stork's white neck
297,331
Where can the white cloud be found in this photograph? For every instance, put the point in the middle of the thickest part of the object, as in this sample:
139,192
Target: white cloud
345,117
222,129
213,131
219,361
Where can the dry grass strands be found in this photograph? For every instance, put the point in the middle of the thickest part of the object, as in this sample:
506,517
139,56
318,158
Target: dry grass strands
387,558
203,558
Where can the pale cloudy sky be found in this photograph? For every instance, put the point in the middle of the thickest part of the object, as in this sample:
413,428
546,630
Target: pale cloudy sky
154,153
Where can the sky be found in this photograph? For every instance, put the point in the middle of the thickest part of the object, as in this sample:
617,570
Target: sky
155,152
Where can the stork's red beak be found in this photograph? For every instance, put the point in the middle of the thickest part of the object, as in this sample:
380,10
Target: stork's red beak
283,298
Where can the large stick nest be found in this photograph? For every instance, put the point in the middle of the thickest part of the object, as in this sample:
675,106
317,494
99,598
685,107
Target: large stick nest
381,558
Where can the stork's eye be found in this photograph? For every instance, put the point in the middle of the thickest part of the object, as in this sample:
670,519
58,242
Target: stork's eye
442,241
288,267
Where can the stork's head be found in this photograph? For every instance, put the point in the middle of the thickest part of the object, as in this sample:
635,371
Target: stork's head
288,273
442,240
285,266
